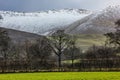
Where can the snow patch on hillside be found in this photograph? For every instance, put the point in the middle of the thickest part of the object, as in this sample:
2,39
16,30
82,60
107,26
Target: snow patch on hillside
42,22
100,22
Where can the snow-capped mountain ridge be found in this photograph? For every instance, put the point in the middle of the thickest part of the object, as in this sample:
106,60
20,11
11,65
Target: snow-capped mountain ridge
100,22
41,22
69,11
74,21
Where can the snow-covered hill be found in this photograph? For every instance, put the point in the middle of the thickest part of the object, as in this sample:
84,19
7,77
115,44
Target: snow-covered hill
99,22
41,22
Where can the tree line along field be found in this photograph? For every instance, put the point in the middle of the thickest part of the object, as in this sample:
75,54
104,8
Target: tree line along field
38,55
61,52
62,76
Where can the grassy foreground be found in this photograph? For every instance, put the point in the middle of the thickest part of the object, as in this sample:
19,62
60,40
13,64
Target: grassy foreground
62,76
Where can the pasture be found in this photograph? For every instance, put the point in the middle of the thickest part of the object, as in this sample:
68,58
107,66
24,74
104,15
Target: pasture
62,76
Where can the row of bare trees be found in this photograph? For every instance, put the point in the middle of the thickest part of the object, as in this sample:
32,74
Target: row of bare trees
43,53
48,53
106,57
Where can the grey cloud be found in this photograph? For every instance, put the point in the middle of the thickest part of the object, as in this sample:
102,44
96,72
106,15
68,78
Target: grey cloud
37,5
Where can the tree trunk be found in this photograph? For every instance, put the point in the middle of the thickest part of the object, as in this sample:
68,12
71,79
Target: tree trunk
72,64
59,62
4,62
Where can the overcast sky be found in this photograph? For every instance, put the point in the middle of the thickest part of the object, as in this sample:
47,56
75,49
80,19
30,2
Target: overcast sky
38,5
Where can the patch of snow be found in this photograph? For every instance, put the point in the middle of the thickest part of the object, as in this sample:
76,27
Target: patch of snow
42,22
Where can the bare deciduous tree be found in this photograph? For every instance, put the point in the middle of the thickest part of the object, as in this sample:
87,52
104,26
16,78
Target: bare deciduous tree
39,51
59,42
114,37
72,52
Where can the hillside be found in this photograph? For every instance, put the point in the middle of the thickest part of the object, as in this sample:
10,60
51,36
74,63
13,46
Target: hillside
99,22
73,21
90,26
20,36
41,22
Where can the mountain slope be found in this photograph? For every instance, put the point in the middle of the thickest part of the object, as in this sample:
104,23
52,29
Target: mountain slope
42,22
99,22
20,36
74,21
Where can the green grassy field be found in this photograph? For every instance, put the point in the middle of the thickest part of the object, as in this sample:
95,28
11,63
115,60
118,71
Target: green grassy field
84,41
62,76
